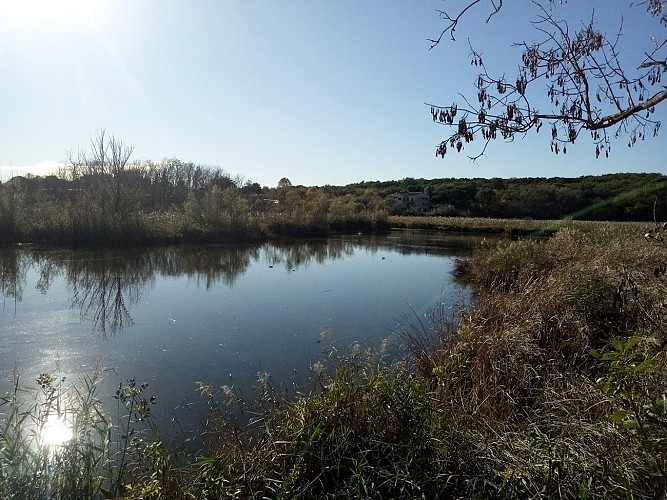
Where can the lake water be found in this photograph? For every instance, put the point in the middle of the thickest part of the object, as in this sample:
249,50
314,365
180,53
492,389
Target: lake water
218,314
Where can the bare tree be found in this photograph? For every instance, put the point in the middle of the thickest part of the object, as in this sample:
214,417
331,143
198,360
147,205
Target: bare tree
106,164
589,84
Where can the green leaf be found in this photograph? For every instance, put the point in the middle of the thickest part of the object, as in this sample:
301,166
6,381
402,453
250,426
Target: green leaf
632,341
618,345
644,365
604,386
631,424
619,416
611,356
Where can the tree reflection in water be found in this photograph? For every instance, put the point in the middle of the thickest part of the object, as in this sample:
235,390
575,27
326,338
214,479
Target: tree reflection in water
105,284
14,264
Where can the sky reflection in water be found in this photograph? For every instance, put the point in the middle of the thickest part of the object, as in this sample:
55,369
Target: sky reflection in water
220,314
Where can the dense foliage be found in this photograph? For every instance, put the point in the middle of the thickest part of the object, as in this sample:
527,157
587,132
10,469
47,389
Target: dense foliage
620,197
170,201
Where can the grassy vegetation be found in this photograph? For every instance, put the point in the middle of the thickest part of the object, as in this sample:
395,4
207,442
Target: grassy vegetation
207,215
552,385
99,202
506,227
478,225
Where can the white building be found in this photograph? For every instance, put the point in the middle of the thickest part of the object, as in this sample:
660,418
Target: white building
417,201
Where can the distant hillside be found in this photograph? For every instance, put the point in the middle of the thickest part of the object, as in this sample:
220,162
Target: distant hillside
622,197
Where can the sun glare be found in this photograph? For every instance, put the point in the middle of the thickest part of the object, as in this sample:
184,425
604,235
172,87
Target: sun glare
47,11
56,432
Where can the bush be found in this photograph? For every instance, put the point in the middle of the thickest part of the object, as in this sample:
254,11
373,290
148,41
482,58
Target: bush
510,263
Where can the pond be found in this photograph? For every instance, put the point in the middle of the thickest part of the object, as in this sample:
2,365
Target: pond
174,316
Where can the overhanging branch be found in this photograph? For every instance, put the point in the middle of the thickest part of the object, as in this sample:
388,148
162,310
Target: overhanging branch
611,120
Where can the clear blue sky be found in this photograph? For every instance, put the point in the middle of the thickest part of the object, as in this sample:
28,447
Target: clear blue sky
321,92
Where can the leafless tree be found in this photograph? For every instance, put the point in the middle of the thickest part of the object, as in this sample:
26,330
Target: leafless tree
105,164
592,85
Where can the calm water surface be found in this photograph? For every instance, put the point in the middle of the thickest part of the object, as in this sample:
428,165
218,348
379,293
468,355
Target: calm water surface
220,314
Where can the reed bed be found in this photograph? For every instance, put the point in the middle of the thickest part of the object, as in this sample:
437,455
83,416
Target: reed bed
508,227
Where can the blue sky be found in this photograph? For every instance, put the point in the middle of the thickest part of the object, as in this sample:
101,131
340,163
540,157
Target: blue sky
326,92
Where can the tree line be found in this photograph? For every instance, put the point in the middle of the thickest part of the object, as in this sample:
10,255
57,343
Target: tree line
620,197
102,197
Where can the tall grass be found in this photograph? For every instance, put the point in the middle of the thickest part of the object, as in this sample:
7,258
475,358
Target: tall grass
81,212
52,440
58,441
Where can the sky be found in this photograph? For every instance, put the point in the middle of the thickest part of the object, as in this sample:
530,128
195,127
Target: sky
321,92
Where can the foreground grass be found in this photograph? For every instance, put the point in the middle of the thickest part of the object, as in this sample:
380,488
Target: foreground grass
551,386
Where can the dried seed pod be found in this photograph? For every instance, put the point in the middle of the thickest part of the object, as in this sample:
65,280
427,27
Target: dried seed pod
463,127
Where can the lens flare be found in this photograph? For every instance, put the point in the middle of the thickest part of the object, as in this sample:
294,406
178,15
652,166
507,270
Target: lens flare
56,431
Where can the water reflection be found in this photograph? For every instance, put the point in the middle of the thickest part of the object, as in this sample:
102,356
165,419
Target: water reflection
291,255
102,290
180,315
103,285
14,264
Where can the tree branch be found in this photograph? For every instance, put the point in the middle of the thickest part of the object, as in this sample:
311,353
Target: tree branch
454,21
611,120
587,86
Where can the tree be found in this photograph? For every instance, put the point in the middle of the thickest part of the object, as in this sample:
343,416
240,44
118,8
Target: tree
284,183
592,85
106,164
